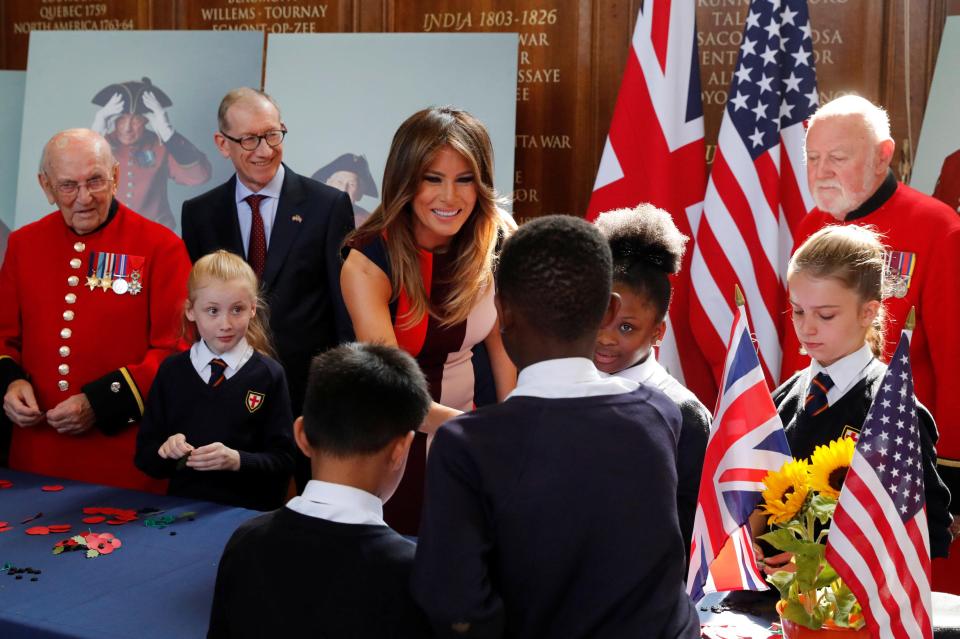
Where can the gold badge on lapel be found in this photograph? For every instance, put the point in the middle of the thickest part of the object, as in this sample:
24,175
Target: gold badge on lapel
254,400
296,218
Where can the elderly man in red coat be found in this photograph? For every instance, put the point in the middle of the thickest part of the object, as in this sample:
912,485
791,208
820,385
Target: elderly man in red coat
92,297
848,153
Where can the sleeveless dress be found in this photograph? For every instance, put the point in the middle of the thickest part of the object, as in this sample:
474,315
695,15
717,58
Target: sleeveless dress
445,357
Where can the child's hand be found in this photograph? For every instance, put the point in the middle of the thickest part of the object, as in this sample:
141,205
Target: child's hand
214,456
776,563
175,447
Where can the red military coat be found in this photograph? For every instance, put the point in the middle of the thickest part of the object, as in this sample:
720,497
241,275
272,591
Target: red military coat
948,184
69,338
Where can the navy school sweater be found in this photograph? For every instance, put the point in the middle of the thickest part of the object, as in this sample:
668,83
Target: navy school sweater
250,412
556,518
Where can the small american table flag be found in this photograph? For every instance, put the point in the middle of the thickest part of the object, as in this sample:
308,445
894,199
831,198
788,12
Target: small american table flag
878,542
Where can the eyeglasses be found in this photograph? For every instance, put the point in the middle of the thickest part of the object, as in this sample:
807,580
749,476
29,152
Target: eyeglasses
251,142
94,185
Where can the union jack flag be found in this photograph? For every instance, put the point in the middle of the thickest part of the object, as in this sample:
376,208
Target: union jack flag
655,153
746,442
757,192
879,542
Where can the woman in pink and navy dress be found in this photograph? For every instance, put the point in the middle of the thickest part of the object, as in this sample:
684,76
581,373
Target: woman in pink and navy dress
419,272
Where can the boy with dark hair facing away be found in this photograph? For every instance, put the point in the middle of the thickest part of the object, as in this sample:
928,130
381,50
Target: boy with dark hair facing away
326,565
554,513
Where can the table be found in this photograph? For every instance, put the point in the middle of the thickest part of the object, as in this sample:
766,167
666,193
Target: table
737,614
158,584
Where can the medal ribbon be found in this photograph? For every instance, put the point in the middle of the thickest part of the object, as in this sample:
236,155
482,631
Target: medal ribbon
121,269
109,268
101,264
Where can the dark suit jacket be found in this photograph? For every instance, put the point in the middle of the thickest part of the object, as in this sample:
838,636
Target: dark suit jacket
301,278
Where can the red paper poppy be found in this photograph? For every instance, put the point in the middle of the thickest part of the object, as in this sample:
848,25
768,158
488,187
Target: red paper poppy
96,519
5,483
38,530
3,523
59,528
104,543
6,528
51,488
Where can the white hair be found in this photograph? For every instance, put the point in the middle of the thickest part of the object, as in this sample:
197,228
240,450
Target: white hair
874,118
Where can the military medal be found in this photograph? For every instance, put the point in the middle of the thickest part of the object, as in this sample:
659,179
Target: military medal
900,265
107,280
136,275
120,284
92,280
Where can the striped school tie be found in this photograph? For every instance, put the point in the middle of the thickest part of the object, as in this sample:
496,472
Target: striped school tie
217,369
816,401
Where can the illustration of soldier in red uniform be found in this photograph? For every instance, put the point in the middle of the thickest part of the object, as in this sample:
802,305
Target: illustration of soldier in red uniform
148,158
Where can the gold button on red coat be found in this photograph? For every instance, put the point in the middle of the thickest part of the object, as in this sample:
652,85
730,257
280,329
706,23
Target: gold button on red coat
63,369
65,333
64,351
79,246
63,385
75,262
73,280
68,315
70,298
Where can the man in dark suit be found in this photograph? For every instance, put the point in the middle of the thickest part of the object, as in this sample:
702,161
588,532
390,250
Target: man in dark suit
288,227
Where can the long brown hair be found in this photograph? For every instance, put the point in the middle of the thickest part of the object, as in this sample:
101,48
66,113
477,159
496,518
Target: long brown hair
414,145
223,266
854,256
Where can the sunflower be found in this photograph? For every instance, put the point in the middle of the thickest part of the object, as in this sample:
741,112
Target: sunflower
829,465
786,491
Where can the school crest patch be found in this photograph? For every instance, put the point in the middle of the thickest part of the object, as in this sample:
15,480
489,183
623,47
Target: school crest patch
851,432
900,266
254,400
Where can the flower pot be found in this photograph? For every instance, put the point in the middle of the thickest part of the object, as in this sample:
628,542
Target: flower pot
793,630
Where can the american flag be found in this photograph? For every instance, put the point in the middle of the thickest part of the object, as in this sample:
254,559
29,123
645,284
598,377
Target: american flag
746,442
757,192
655,153
878,542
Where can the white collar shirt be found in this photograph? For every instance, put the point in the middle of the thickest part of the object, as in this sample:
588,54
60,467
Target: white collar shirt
235,358
845,372
338,503
268,207
568,377
642,372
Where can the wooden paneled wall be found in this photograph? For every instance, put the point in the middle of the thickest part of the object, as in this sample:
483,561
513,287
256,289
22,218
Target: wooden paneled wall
572,55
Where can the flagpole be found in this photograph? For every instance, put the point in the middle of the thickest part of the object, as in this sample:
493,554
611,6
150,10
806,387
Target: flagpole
738,295
911,319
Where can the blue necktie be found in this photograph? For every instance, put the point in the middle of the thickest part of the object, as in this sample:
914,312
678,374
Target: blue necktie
816,401
217,369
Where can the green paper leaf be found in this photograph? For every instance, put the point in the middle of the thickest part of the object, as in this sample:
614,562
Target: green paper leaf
822,507
807,568
827,576
797,614
79,539
92,553
782,581
57,550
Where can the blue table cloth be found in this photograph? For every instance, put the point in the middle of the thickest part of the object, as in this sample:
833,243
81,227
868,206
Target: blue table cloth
155,585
